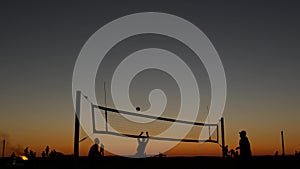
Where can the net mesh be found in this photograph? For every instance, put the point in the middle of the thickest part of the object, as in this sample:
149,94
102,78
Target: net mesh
112,121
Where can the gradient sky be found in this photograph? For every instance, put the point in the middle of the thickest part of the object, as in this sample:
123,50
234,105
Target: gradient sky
258,43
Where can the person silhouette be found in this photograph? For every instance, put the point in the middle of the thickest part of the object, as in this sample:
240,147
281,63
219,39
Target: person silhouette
26,152
94,153
232,153
244,145
101,150
47,151
53,154
225,151
13,155
142,142
13,158
160,155
43,154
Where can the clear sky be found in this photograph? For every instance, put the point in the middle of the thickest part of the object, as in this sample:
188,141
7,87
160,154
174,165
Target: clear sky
257,41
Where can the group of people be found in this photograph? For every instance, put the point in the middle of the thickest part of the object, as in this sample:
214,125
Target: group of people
29,153
52,154
45,153
243,151
96,152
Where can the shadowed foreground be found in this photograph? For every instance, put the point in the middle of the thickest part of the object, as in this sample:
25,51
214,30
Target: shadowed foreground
66,162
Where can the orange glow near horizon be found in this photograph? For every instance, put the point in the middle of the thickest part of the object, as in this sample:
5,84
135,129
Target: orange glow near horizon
182,149
263,132
261,143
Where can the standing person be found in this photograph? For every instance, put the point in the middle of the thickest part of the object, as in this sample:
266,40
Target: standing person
225,150
142,142
244,145
94,153
26,152
101,150
43,154
13,158
47,151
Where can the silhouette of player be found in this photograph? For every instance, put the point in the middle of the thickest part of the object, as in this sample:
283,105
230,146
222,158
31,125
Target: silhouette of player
43,154
142,142
101,150
94,153
94,150
26,152
244,145
47,151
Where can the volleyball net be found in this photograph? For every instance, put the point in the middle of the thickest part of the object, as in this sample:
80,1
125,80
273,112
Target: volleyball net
107,120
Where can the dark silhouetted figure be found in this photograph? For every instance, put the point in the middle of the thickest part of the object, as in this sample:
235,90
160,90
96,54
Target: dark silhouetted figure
244,146
13,155
31,153
43,154
101,150
94,153
13,158
232,153
160,155
142,142
26,152
47,151
225,150
236,153
52,154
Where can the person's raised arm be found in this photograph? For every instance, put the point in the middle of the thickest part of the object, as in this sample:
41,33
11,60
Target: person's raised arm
141,134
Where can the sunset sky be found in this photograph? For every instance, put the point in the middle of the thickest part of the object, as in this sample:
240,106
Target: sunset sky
258,44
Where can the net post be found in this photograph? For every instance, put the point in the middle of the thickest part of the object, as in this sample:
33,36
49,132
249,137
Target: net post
106,128
223,137
282,143
93,118
3,150
76,129
217,134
